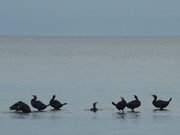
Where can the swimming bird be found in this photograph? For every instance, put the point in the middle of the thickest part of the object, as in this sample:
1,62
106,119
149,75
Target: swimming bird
94,108
38,104
20,107
55,103
134,103
120,105
161,104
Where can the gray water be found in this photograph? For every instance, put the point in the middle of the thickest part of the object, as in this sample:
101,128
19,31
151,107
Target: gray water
83,70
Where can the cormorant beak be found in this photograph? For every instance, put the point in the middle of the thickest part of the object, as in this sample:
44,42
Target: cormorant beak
95,103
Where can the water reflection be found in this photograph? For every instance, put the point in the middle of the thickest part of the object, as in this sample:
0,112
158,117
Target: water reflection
19,115
119,115
127,115
161,117
134,115
160,110
94,117
35,115
161,114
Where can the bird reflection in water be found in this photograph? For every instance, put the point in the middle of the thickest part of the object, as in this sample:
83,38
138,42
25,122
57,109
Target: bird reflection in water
134,115
161,110
19,115
120,115
161,117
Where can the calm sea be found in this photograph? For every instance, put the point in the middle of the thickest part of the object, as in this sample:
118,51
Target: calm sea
83,70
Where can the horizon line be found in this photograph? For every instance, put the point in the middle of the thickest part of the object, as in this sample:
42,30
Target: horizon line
90,36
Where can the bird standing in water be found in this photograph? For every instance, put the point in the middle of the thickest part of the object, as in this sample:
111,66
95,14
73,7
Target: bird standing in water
56,104
20,107
38,104
161,104
120,105
134,103
94,108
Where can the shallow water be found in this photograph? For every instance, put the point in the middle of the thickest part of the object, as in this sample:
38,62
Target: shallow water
81,71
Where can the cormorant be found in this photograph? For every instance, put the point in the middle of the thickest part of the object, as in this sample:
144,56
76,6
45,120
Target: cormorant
120,105
38,104
94,108
134,104
20,107
55,103
161,104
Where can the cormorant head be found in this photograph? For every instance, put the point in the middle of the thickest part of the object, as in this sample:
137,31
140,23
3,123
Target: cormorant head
122,99
154,96
135,97
34,96
54,96
94,104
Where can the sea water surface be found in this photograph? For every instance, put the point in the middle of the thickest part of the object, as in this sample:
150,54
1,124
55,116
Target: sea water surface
83,70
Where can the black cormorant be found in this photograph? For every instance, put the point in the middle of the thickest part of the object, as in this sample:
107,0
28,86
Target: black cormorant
161,104
38,104
55,103
20,107
120,105
94,108
134,104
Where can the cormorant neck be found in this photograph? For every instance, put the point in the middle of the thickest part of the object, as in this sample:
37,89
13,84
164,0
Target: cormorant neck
155,98
53,97
136,97
94,106
123,100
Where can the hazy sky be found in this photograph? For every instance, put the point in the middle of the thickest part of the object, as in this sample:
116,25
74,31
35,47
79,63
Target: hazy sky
90,17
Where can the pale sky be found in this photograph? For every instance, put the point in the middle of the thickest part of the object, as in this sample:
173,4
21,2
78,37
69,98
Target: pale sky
90,17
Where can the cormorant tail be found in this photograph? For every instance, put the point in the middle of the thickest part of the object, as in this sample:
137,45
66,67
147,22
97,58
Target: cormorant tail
170,100
64,104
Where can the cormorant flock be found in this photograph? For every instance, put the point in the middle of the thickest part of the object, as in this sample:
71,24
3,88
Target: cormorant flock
20,106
